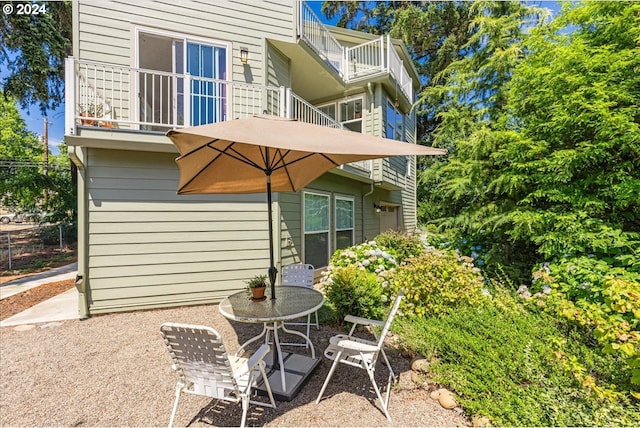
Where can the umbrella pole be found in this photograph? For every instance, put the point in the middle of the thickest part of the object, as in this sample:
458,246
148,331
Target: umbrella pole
273,272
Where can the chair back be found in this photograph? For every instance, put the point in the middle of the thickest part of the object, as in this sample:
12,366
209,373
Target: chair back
298,274
199,358
392,314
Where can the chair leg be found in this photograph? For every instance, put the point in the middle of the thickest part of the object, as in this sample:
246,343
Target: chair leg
245,408
384,404
326,382
175,405
317,323
306,345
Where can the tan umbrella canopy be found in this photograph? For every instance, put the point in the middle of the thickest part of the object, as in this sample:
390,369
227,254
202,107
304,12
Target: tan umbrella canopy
234,156
267,153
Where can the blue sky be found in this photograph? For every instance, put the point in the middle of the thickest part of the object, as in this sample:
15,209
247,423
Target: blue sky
35,120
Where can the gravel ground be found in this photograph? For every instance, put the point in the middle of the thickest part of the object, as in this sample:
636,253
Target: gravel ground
113,370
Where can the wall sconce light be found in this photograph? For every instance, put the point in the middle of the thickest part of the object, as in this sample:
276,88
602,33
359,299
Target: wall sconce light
377,207
244,55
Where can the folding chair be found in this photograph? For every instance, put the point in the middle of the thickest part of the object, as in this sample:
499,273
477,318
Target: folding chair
300,275
205,368
361,353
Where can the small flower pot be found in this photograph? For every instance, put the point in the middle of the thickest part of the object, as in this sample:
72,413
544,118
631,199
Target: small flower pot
258,293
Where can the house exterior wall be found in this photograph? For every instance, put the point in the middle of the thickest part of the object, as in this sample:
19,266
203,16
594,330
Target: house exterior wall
150,247
144,246
105,27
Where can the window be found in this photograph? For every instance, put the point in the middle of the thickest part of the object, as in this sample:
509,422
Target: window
395,125
316,229
347,112
351,114
344,222
162,99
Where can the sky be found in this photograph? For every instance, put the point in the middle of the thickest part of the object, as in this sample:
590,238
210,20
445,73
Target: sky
35,120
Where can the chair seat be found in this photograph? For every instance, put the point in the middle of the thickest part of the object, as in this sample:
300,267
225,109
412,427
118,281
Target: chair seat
353,349
362,353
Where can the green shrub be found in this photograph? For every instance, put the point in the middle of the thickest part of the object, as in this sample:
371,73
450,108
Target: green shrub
605,301
500,359
403,245
352,290
437,281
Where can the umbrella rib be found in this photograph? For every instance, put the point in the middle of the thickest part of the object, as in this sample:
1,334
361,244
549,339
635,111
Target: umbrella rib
237,156
201,169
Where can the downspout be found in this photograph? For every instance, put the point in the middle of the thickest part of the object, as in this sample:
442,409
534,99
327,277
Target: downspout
81,277
370,192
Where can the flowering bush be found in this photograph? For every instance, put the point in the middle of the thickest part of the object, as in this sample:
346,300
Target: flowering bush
403,245
437,281
603,299
367,256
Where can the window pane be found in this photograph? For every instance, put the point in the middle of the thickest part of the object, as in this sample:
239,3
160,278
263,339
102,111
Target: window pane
316,249
344,214
344,239
316,213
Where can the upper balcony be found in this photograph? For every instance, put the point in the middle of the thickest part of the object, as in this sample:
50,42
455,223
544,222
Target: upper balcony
354,63
109,97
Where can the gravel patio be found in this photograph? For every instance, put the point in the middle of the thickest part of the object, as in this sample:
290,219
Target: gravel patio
113,370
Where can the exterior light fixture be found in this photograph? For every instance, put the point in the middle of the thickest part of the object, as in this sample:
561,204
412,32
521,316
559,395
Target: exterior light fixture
244,55
377,207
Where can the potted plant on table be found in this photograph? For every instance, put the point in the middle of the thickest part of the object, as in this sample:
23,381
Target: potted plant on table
257,285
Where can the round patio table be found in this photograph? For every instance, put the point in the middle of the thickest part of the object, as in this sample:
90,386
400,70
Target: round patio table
292,302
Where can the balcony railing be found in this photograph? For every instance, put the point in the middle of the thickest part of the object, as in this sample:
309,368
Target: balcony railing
351,63
122,97
113,96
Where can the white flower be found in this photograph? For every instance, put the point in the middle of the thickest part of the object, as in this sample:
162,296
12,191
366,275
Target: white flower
366,263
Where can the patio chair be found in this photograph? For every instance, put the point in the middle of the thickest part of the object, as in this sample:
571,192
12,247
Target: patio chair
302,275
205,368
361,353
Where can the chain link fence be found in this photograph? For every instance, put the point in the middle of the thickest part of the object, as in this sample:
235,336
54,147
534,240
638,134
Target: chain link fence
19,246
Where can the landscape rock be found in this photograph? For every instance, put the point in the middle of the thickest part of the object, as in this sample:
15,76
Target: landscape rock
480,421
446,400
435,394
420,365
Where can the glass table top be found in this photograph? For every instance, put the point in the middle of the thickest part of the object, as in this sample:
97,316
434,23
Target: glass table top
291,302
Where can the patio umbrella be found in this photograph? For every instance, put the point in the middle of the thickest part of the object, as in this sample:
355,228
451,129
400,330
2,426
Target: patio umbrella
270,154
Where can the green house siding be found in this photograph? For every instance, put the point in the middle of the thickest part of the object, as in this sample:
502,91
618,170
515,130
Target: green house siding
148,246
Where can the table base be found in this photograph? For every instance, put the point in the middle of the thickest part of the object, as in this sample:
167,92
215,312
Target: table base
298,369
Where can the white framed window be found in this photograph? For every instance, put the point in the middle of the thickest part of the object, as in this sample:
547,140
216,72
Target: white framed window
350,114
344,215
165,100
395,123
316,225
347,111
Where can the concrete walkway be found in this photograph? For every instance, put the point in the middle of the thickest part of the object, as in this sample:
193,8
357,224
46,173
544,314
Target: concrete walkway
62,307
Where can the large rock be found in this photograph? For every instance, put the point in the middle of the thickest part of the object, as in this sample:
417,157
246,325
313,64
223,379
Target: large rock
446,400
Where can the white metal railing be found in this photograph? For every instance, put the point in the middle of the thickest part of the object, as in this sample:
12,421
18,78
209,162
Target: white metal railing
108,95
313,31
365,59
398,71
356,62
303,111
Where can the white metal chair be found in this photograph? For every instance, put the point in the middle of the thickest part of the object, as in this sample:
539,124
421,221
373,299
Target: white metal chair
205,368
301,275
361,353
